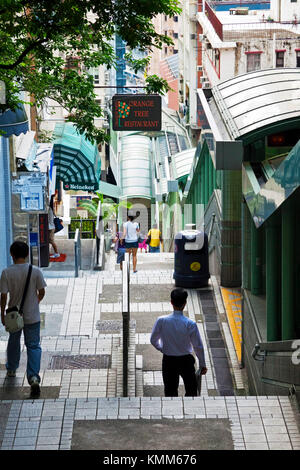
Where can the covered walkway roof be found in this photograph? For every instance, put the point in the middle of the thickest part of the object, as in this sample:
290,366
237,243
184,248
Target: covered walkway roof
258,99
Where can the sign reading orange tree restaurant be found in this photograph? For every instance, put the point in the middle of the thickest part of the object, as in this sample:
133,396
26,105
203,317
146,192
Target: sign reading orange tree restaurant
136,112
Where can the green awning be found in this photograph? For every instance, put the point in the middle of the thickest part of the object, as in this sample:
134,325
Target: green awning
77,160
108,189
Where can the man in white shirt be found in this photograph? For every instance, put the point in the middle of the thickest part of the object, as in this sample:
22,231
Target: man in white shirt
176,336
12,282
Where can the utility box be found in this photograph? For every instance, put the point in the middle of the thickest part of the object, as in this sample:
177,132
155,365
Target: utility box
191,267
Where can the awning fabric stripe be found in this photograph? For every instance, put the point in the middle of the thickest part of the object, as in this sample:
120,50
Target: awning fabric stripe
76,159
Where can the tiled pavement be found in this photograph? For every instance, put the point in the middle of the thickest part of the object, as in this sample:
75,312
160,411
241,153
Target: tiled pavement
94,394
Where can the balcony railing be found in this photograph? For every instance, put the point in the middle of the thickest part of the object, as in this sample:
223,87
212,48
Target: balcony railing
218,27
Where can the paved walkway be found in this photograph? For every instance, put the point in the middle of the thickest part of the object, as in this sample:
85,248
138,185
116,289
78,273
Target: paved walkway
82,370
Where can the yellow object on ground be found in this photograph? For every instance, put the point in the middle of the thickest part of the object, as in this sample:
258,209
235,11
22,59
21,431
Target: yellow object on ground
232,299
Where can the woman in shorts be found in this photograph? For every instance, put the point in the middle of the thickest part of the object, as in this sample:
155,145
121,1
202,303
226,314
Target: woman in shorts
130,235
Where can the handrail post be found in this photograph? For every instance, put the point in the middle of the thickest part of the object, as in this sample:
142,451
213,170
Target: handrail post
77,252
126,320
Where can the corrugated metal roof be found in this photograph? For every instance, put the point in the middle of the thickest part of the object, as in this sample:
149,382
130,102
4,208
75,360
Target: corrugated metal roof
183,162
136,174
254,100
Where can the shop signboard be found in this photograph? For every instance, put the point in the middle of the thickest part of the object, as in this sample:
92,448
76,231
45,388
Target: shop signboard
32,189
136,112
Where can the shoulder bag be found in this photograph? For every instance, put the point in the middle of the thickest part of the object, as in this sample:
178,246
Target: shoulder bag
14,315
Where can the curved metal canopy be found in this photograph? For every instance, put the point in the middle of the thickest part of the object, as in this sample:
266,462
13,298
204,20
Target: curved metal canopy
183,162
257,99
136,177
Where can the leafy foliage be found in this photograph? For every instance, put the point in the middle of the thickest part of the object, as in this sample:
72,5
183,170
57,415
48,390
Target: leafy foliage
109,207
36,36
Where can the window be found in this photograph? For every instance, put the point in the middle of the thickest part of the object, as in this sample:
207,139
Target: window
297,58
94,71
253,61
72,62
293,1
175,19
175,35
279,59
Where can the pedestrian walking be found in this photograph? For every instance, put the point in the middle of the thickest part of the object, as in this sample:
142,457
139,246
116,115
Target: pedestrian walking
142,244
154,239
119,248
51,227
12,282
176,336
130,235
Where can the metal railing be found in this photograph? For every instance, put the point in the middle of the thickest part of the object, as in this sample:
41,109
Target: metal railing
77,252
214,20
126,320
87,228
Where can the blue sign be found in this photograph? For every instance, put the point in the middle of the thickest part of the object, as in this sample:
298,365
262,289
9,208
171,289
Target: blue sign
34,239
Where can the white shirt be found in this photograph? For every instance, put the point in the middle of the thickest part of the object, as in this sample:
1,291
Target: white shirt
177,335
131,233
12,282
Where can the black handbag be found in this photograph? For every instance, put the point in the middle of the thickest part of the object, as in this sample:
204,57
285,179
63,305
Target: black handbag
58,225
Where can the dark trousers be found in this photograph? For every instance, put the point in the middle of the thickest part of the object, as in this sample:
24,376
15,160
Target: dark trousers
175,366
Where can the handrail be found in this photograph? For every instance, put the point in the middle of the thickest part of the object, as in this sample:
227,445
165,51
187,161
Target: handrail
126,320
213,216
261,350
77,252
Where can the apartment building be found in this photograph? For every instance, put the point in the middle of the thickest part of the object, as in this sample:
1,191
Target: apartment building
218,44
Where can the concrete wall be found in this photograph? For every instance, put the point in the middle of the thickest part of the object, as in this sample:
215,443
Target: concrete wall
284,10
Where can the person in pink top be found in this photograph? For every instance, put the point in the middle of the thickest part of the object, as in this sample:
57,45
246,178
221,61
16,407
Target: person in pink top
143,245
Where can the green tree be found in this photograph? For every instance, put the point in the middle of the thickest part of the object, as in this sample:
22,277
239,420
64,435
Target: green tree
37,36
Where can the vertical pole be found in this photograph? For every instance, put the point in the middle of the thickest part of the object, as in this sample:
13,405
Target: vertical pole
210,171
202,175
272,282
256,274
287,283
206,167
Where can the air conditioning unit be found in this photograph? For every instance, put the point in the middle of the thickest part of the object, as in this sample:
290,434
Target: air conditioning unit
206,85
199,68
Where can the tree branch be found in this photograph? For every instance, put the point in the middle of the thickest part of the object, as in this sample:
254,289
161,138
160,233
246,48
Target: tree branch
26,51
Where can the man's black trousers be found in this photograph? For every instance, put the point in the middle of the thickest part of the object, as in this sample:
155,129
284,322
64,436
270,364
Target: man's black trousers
175,366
